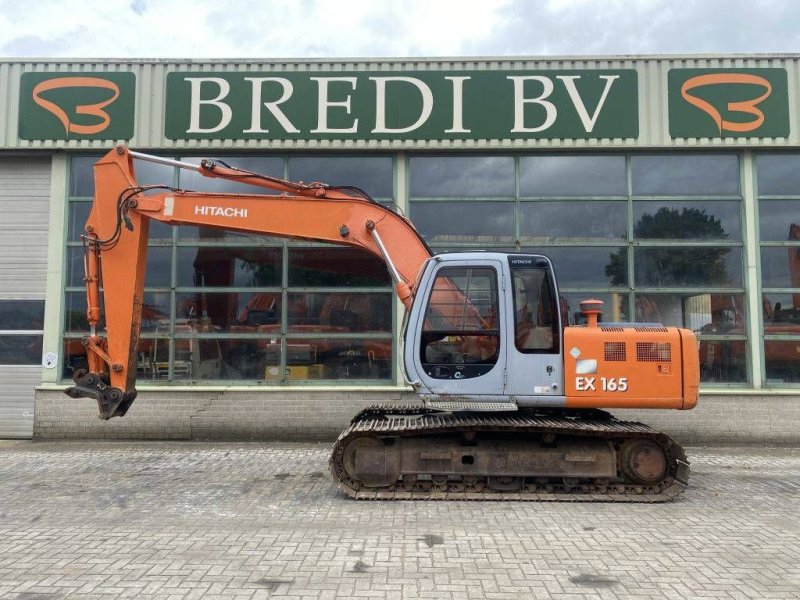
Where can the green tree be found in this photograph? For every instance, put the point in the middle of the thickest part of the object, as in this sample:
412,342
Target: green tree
674,266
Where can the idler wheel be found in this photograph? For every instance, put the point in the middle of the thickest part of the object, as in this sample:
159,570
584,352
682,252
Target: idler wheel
371,462
643,461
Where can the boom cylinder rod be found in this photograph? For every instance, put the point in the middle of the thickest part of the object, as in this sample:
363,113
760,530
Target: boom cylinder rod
402,287
164,161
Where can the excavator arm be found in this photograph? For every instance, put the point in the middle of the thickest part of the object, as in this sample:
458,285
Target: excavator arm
116,237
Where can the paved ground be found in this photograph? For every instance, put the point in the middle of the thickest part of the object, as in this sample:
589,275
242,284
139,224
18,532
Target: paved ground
191,520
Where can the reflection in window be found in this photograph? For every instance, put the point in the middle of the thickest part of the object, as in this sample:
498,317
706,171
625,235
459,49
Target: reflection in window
703,313
78,215
679,267
449,222
535,314
582,266
462,176
461,335
781,361
541,176
21,324
723,361
21,349
778,174
556,221
22,315
779,220
229,266
81,176
780,266
685,174
332,266
687,220
373,174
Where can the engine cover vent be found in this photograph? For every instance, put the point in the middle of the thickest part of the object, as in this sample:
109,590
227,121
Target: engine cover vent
653,352
615,351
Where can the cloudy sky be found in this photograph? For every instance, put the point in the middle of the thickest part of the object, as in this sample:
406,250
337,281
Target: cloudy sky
399,28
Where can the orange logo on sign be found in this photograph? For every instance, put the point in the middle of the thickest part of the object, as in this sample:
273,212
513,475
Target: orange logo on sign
82,109
745,106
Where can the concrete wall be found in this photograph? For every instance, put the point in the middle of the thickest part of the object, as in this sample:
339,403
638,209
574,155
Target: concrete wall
321,415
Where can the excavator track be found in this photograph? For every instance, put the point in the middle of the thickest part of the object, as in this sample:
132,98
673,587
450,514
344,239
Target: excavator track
416,453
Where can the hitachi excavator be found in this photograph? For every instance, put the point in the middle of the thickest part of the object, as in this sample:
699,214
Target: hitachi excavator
509,399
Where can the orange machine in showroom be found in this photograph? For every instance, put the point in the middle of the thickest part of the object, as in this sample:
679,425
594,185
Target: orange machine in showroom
510,398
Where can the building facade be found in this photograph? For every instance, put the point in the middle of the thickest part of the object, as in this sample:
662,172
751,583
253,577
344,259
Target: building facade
668,187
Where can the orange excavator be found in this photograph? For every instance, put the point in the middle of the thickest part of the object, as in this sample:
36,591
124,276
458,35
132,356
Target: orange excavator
510,399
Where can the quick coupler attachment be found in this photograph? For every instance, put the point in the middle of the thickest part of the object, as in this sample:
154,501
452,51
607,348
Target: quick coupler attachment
111,401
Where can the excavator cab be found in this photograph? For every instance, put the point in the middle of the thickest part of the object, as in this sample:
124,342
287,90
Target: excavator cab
485,332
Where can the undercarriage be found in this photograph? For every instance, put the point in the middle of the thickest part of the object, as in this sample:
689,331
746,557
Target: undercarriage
411,453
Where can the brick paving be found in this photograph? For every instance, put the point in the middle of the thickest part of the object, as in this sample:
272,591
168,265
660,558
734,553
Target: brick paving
250,521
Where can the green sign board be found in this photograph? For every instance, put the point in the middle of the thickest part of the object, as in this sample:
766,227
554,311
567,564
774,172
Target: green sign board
728,103
407,105
77,106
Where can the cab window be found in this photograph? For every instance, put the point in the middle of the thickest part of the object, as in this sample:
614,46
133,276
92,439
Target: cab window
535,314
461,335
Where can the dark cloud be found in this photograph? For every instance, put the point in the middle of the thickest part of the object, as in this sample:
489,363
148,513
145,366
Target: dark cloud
690,26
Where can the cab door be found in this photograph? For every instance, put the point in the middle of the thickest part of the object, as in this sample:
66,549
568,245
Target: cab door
458,331
535,348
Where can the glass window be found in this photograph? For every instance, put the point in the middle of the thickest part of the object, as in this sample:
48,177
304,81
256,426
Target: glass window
460,335
339,312
449,222
703,313
462,176
535,316
229,266
678,267
78,215
20,349
779,220
541,176
781,312
723,361
778,174
25,318
22,315
556,221
782,361
688,219
582,266
685,174
81,177
156,309
373,174
336,267
150,173
780,266
338,358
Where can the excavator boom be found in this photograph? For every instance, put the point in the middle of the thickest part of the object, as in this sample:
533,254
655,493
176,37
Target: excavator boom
116,248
